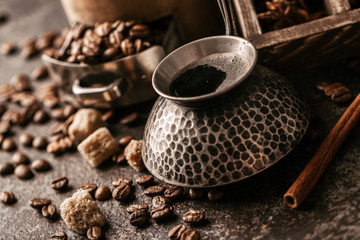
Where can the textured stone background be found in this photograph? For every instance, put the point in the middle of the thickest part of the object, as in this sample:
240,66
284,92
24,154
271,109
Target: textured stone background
252,209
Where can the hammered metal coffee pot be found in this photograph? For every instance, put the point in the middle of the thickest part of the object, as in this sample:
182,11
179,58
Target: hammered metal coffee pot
227,135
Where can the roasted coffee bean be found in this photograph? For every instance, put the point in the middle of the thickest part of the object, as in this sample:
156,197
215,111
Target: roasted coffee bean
7,47
145,180
60,235
53,147
6,91
175,232
6,168
25,139
122,192
103,29
329,89
51,102
138,218
111,53
58,114
21,82
58,41
72,59
190,234
43,43
1,138
94,233
29,111
39,203
118,181
76,47
215,195
49,211
2,109
65,143
69,110
119,25
341,98
102,193
40,72
154,190
194,216
49,52
22,171
137,207
8,145
28,51
159,200
40,165
127,47
39,142
78,31
161,213
196,193
20,158
130,118
90,187
18,118
7,197
115,38
40,116
59,183
4,127
124,141
139,45
107,116
174,193
119,158
139,31
59,128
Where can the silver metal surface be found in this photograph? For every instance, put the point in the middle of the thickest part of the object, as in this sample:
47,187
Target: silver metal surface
136,69
224,136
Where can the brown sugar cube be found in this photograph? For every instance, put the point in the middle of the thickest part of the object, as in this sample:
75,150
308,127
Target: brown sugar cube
85,122
133,154
80,212
99,146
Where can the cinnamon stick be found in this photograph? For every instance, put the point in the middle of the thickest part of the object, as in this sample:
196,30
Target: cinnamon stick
308,178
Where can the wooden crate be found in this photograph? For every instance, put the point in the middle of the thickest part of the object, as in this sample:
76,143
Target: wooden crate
309,44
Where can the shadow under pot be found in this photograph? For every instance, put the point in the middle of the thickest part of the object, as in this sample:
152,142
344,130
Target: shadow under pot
238,126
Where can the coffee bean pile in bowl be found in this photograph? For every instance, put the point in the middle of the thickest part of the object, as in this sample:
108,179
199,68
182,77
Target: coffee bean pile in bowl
107,41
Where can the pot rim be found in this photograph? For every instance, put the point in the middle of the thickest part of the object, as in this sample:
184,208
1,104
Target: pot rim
200,98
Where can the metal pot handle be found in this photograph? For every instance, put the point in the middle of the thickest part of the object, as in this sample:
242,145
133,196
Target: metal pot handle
100,97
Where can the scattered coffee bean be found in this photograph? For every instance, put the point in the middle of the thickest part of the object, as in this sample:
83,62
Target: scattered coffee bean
39,142
58,114
145,180
175,232
137,207
124,141
196,193
7,47
25,139
22,171
154,190
94,233
59,183
40,116
194,216
122,192
138,218
215,195
40,72
6,168
20,158
107,116
53,147
8,145
329,89
21,82
39,203
60,235
321,85
7,197
40,165
48,211
69,110
102,193
5,127
90,187
159,200
190,234
119,158
341,98
174,193
28,51
118,181
161,213
130,118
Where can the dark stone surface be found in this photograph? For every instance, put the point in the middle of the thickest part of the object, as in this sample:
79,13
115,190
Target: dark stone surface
251,209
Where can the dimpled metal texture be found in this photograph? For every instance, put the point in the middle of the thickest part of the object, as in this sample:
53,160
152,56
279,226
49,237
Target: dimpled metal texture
259,123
